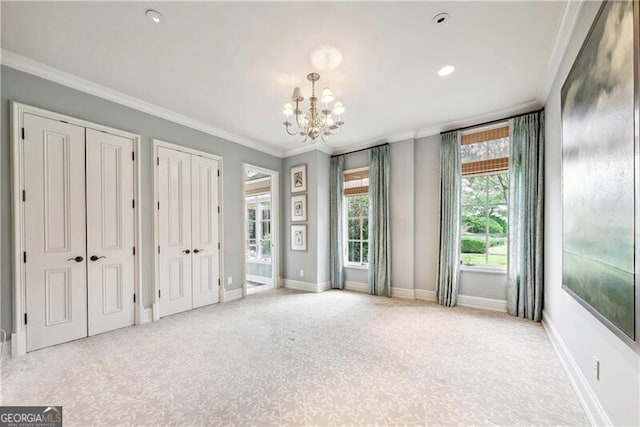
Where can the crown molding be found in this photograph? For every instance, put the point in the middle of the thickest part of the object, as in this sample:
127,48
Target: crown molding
564,31
361,145
436,129
479,119
306,148
38,69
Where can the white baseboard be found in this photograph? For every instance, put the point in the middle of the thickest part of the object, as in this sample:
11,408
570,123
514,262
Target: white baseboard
593,408
306,286
155,310
259,279
18,344
426,295
429,295
356,286
147,315
483,303
403,293
233,294
280,282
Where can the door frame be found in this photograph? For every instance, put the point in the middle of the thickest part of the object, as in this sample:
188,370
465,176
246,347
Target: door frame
275,224
17,112
158,143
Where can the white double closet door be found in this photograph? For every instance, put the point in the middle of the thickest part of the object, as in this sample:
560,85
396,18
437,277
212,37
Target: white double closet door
79,231
188,231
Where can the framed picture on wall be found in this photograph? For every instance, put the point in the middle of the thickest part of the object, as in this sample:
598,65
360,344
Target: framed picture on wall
299,179
600,171
299,237
299,208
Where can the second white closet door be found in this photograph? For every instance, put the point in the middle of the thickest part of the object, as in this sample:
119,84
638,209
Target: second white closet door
174,229
204,226
110,231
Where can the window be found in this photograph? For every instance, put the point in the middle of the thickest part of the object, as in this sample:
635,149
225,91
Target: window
485,188
259,230
356,214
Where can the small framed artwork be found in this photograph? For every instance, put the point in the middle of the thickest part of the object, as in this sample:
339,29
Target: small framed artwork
299,237
299,179
299,208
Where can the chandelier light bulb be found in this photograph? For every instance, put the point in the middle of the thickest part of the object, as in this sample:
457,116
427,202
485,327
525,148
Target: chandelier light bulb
338,108
287,109
327,95
329,120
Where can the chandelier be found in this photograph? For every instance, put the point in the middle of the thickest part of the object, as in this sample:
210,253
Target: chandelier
314,123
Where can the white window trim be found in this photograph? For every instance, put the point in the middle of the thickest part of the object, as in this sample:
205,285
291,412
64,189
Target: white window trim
485,268
345,225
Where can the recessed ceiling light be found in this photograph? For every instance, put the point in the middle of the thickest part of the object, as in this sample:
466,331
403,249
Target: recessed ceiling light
440,18
446,70
154,16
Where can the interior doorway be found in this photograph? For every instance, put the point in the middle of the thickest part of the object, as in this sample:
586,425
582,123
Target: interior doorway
260,228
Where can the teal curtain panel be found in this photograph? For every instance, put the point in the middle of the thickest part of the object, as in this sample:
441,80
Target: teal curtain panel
337,223
448,280
526,216
379,274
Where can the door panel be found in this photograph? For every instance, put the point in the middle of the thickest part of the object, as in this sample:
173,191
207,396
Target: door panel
174,231
55,232
204,231
110,231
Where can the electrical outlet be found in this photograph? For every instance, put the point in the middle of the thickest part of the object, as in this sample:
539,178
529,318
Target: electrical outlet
230,280
596,369
301,273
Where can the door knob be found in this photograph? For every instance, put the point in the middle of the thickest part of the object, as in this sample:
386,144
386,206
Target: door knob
95,257
187,251
195,251
76,259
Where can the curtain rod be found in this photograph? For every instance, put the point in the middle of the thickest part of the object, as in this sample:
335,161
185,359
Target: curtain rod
362,149
492,121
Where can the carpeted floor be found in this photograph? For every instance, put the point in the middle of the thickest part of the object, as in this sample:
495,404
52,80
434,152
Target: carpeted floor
287,358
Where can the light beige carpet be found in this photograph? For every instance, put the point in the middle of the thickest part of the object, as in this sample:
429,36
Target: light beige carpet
288,358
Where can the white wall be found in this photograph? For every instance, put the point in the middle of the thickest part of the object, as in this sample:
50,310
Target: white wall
618,389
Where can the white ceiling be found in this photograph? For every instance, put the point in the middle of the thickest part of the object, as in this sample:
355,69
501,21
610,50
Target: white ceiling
231,66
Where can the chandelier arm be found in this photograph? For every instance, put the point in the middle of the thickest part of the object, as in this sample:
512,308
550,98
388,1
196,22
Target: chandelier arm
287,129
297,115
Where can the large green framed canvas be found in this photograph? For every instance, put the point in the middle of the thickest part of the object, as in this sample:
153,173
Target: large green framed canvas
600,171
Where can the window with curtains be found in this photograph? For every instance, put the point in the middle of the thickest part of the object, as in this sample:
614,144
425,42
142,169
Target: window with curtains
356,216
485,188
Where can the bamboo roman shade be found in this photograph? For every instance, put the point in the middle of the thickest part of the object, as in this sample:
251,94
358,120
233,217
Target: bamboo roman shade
485,135
478,167
356,182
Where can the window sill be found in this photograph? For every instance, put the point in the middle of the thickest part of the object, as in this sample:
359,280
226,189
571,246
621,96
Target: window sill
483,269
356,267
258,261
